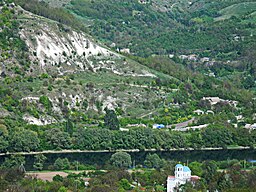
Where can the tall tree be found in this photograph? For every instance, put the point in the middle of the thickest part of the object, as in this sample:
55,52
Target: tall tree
110,120
14,161
23,140
39,162
57,139
61,164
69,126
210,169
121,160
154,161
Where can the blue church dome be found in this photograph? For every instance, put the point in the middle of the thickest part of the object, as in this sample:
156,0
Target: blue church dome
178,165
186,169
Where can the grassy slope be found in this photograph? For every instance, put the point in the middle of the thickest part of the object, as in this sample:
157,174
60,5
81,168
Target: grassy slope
238,10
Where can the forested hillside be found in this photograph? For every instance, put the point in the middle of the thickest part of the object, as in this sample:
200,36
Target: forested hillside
57,80
163,27
110,75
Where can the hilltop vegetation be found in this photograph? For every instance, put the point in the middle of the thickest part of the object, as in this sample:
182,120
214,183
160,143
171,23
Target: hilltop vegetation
12,48
168,27
179,27
43,9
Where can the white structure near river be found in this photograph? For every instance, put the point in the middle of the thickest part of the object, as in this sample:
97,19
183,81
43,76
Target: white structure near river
182,176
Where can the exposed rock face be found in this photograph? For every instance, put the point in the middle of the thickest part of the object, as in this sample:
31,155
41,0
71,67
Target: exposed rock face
57,49
42,120
100,77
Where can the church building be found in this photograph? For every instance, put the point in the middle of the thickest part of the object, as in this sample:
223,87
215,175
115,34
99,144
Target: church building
182,175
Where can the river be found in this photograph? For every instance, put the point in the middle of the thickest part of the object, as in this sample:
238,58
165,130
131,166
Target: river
100,159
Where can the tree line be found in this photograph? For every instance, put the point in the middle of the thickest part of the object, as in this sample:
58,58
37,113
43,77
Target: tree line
58,14
227,176
23,140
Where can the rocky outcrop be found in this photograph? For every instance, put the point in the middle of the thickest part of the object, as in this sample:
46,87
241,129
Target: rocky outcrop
57,49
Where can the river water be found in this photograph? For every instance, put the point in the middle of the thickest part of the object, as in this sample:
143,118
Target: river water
100,159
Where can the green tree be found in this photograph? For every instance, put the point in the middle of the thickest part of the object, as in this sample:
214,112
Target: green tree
153,161
61,164
196,168
62,189
101,188
85,105
3,129
14,161
69,126
39,161
3,144
110,120
121,160
13,177
58,178
46,102
158,176
210,169
187,187
23,140
124,184
58,139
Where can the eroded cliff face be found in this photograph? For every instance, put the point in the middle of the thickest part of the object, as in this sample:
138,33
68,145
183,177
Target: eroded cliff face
100,77
58,49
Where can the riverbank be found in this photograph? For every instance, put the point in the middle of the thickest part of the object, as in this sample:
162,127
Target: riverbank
124,150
